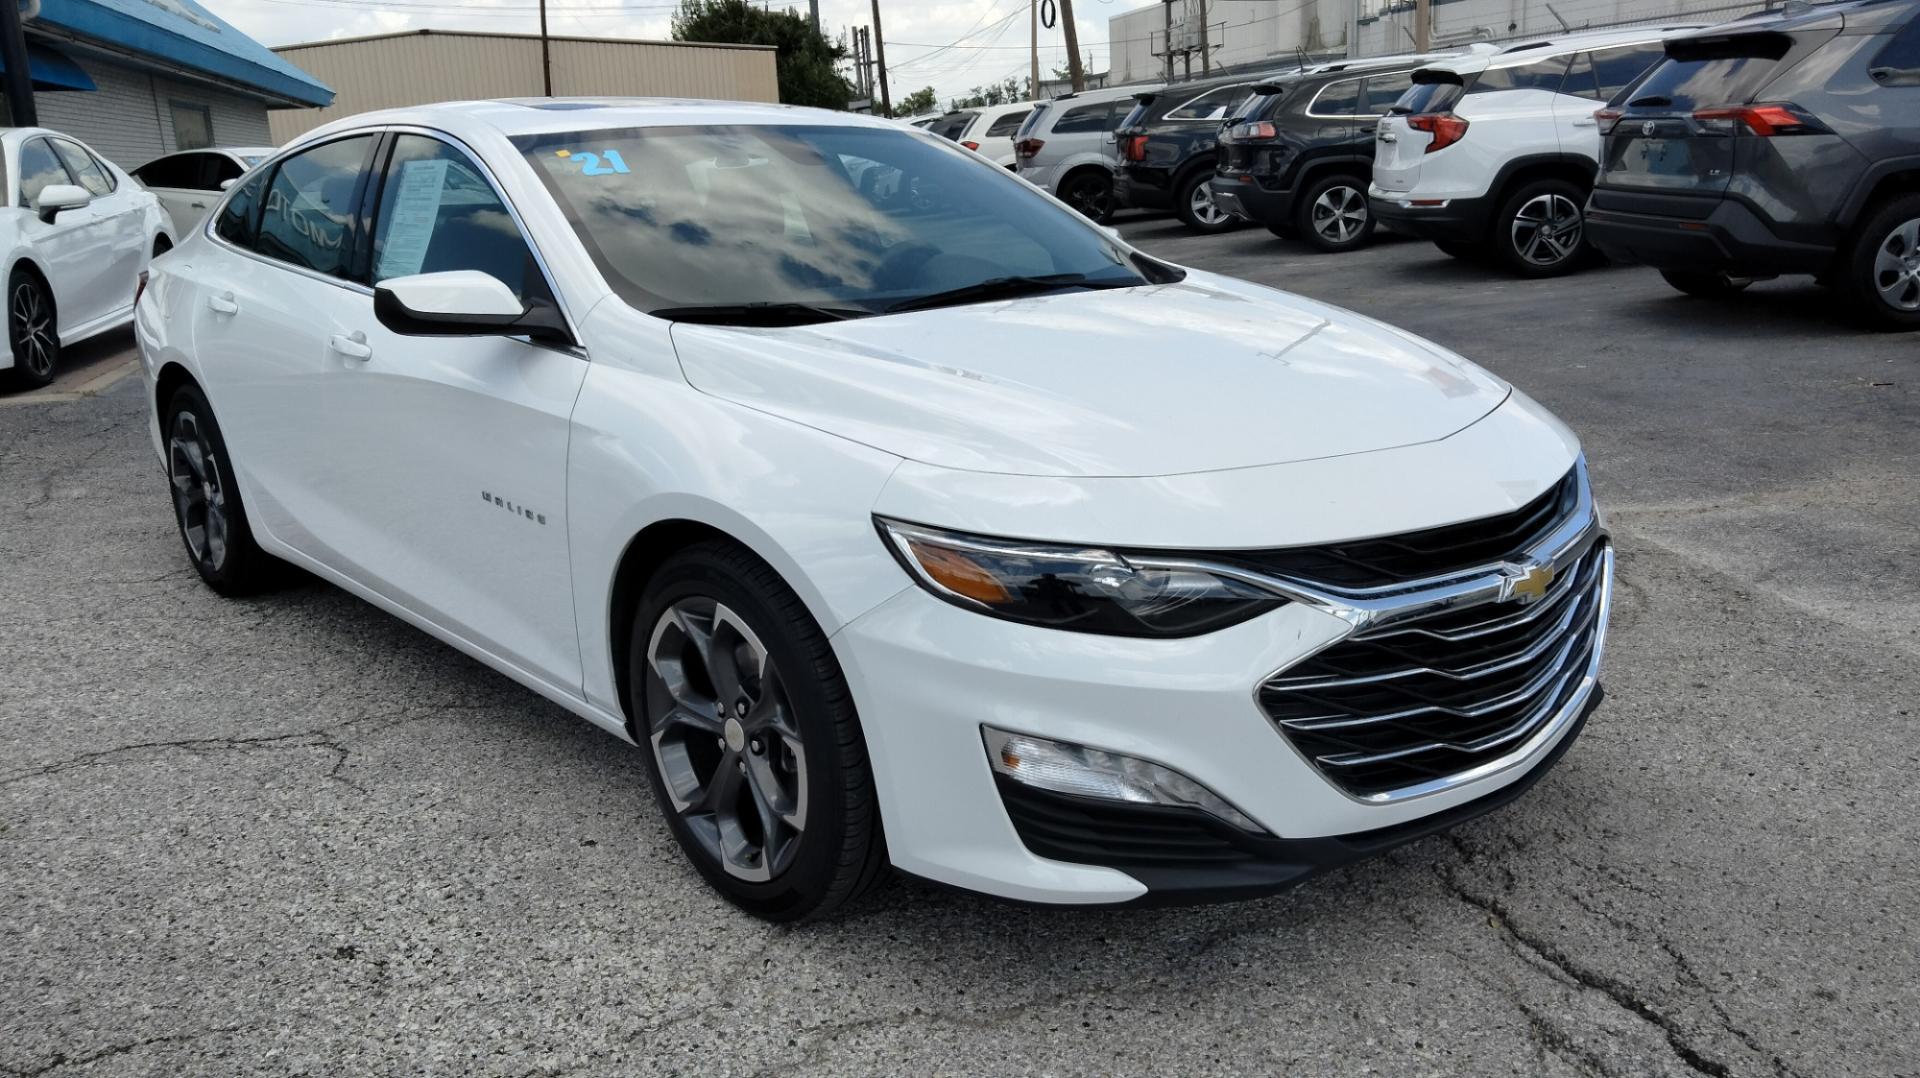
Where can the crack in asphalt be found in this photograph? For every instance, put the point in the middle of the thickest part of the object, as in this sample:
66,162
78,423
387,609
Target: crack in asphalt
61,1059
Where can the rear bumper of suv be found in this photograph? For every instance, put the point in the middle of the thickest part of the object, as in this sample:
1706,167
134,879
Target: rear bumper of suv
1242,195
1690,232
1461,220
1141,188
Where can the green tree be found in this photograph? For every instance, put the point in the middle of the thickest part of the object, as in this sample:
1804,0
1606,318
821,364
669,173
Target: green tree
804,60
915,103
1000,93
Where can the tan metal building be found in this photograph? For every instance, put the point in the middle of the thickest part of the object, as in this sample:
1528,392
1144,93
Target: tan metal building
419,67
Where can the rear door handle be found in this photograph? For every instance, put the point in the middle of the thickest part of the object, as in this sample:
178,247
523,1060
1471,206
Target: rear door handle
1588,122
223,304
353,347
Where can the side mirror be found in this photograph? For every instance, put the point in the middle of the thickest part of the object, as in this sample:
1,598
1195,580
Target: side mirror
59,196
226,185
463,303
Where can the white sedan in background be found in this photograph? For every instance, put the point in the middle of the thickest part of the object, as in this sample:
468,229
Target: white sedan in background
78,233
187,183
900,514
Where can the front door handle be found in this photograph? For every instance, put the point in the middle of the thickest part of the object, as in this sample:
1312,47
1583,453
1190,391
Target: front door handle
353,347
223,304
199,205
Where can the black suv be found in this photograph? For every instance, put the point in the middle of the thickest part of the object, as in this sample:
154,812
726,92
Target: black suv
1298,154
1785,142
1166,147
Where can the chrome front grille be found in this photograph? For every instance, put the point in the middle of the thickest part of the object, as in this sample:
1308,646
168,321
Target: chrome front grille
1451,682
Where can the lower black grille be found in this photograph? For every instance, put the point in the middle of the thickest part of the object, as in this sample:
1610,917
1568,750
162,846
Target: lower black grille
1432,697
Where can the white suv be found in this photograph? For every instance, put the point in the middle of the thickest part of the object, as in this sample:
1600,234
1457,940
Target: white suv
1065,147
1495,152
990,132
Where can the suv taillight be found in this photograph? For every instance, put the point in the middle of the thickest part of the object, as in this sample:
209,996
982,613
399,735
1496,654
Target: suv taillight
1253,131
1029,147
1445,127
1779,118
1606,118
971,145
1134,148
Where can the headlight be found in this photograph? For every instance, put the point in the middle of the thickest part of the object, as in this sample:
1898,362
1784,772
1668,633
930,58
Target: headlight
1083,589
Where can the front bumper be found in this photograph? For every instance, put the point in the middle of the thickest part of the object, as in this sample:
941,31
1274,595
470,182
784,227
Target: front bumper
1695,234
1242,195
1458,220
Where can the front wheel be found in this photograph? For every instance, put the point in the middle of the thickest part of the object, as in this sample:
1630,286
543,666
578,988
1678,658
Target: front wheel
756,752
1333,215
1196,207
1541,229
32,331
1882,271
206,499
1706,285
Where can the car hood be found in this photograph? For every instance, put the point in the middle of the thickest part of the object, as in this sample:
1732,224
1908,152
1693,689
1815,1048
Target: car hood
1197,376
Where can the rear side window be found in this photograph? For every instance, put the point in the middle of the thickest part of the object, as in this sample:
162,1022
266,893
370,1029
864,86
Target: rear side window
1212,105
237,218
1033,119
310,204
1337,99
1685,85
1430,93
1006,125
1544,74
1136,115
951,126
1083,118
1383,90
1899,63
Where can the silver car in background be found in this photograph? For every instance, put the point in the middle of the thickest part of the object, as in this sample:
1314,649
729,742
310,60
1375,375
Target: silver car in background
1066,147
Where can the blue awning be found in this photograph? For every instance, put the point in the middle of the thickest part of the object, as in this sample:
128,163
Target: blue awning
183,35
51,70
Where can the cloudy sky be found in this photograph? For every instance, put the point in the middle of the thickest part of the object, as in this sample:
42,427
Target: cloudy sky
988,38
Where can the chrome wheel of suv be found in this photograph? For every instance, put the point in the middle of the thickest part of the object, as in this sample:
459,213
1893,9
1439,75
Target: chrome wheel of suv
1896,267
1339,214
1204,208
1546,231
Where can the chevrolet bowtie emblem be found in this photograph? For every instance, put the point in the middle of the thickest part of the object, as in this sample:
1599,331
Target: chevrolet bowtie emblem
1529,584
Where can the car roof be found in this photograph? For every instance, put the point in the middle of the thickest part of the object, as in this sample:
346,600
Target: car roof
1519,53
1864,14
1106,93
513,117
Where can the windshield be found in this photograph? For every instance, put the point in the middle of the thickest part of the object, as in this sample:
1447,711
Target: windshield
853,219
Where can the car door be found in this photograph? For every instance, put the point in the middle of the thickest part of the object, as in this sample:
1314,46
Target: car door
122,230
67,246
452,451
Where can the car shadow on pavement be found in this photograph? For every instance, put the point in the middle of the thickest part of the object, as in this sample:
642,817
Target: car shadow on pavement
80,365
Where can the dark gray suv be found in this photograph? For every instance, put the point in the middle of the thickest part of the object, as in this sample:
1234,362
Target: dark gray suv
1787,142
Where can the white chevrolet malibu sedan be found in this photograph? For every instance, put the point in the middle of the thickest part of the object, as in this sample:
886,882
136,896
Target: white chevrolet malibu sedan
897,513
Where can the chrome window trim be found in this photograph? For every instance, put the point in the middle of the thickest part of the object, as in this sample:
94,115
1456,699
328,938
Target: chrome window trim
1168,115
486,173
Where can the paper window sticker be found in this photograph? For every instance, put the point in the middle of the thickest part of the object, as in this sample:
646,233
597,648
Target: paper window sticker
416,210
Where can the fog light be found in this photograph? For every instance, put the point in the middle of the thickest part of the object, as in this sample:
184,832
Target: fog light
1075,769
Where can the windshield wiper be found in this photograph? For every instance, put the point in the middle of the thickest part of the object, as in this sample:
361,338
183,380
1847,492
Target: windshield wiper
759,314
1002,288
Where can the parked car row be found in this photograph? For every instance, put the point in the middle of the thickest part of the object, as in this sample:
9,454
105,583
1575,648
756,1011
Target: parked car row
1781,143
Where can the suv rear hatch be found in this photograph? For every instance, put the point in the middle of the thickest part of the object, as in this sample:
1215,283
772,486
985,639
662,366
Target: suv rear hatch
1702,116
1243,127
1412,128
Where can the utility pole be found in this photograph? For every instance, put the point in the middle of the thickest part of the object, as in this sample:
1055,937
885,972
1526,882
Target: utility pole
1166,9
1353,29
1206,54
13,49
1422,25
880,60
1074,71
546,58
813,14
1033,25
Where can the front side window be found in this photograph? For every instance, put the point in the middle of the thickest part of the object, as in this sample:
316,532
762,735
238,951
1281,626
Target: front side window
221,168
238,218
92,175
179,171
39,169
308,217
438,213
850,218
1212,105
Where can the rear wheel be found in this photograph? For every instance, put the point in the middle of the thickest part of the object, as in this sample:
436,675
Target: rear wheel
1193,202
1882,275
32,331
1091,193
1332,214
756,752
1541,230
1706,285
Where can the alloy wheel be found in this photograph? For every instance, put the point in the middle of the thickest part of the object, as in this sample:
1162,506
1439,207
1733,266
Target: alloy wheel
1896,267
725,738
1089,196
1204,208
1339,214
32,324
197,494
1546,231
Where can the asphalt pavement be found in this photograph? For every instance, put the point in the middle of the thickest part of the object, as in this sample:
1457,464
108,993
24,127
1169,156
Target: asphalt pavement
292,836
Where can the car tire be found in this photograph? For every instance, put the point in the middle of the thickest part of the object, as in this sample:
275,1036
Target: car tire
1332,214
1465,252
1705,285
207,506
1881,275
1194,205
1541,229
33,332
1090,193
770,795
